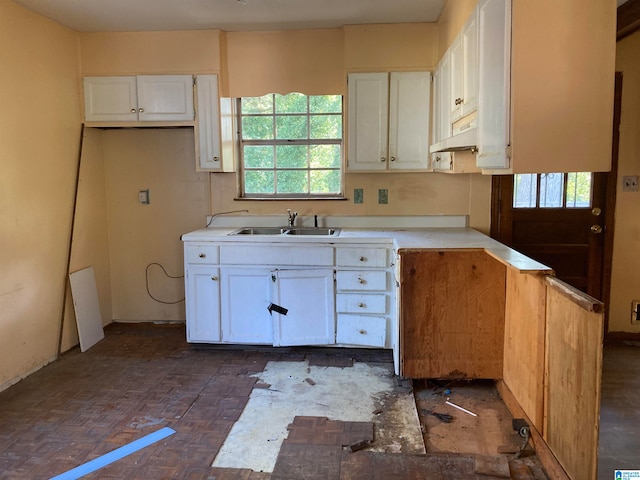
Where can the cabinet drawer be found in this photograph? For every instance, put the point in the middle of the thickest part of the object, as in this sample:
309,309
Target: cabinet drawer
201,254
361,280
361,330
361,303
362,257
273,255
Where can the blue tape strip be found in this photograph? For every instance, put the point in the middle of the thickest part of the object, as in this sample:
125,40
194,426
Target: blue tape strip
116,454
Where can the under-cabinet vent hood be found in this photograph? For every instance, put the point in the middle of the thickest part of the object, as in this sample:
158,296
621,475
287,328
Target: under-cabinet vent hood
465,140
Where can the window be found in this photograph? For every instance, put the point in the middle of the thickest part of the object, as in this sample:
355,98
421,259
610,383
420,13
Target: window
552,190
291,146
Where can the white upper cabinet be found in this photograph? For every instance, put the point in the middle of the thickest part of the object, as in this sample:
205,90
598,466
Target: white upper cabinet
494,19
463,55
388,121
208,125
144,98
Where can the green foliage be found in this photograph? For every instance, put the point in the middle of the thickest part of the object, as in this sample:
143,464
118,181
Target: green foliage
258,156
291,127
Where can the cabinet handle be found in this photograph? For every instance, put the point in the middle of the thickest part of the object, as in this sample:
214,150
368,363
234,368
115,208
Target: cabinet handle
383,159
216,159
203,255
362,281
214,278
133,110
393,159
363,259
361,305
141,110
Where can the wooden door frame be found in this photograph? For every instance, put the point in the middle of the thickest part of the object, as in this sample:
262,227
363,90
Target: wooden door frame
609,207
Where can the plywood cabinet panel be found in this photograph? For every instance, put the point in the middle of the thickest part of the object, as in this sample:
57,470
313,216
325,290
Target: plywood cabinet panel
451,314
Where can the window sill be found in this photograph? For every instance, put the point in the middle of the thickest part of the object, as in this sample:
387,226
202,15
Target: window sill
288,199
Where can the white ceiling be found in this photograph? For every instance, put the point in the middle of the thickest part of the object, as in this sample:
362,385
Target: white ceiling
230,15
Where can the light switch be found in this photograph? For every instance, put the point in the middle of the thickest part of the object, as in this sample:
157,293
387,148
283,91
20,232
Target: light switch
143,197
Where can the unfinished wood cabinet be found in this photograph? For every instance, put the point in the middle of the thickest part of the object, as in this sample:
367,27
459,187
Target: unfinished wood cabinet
451,314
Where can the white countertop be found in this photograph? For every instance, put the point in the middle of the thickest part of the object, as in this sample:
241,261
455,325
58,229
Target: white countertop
400,238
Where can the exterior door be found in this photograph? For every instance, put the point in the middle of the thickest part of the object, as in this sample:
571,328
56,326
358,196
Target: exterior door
557,219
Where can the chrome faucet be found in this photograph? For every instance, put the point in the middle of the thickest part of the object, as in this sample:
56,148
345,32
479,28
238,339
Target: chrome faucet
292,216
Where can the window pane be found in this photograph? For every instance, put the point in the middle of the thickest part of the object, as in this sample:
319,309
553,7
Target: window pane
579,189
524,191
325,181
551,190
291,103
325,104
292,181
291,127
258,156
263,105
325,156
259,181
257,128
291,156
326,126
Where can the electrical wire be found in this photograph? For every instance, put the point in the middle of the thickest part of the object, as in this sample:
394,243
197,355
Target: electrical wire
169,276
223,213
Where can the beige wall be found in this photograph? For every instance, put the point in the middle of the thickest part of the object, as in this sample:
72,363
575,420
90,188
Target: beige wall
625,281
39,138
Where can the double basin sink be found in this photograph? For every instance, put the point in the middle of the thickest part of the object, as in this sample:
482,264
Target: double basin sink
320,231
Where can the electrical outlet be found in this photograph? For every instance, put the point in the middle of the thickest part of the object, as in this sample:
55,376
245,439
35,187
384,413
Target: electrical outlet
635,312
143,197
630,183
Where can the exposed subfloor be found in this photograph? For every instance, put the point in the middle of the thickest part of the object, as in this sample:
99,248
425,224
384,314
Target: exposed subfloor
143,377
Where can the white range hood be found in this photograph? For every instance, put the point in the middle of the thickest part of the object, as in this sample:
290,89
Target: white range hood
465,140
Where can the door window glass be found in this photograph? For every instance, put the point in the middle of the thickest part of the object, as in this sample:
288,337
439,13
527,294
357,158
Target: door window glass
553,190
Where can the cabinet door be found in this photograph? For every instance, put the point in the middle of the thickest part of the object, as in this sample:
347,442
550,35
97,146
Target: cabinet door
309,297
444,97
368,121
245,297
110,99
494,33
208,126
456,56
409,106
165,98
203,303
470,65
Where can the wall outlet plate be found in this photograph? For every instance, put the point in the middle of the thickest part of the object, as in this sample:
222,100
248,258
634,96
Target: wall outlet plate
143,197
630,183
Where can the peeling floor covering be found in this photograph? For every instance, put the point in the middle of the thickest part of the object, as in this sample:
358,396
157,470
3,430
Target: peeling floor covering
351,394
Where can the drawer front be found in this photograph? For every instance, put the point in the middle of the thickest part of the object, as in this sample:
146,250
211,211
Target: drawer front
361,330
361,280
362,257
275,255
361,303
201,253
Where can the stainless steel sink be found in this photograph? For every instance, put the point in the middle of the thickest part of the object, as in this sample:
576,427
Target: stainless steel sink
324,232
260,231
320,232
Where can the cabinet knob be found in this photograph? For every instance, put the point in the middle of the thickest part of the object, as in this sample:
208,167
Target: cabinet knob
141,110
362,332
362,281
214,278
216,159
363,259
133,110
383,159
393,159
361,305
203,255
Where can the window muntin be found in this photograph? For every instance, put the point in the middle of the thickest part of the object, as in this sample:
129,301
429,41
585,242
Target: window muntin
553,190
291,146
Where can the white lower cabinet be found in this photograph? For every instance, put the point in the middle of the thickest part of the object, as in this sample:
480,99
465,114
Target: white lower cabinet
332,294
203,303
308,295
245,296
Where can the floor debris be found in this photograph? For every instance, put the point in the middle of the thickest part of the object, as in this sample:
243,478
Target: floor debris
498,466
